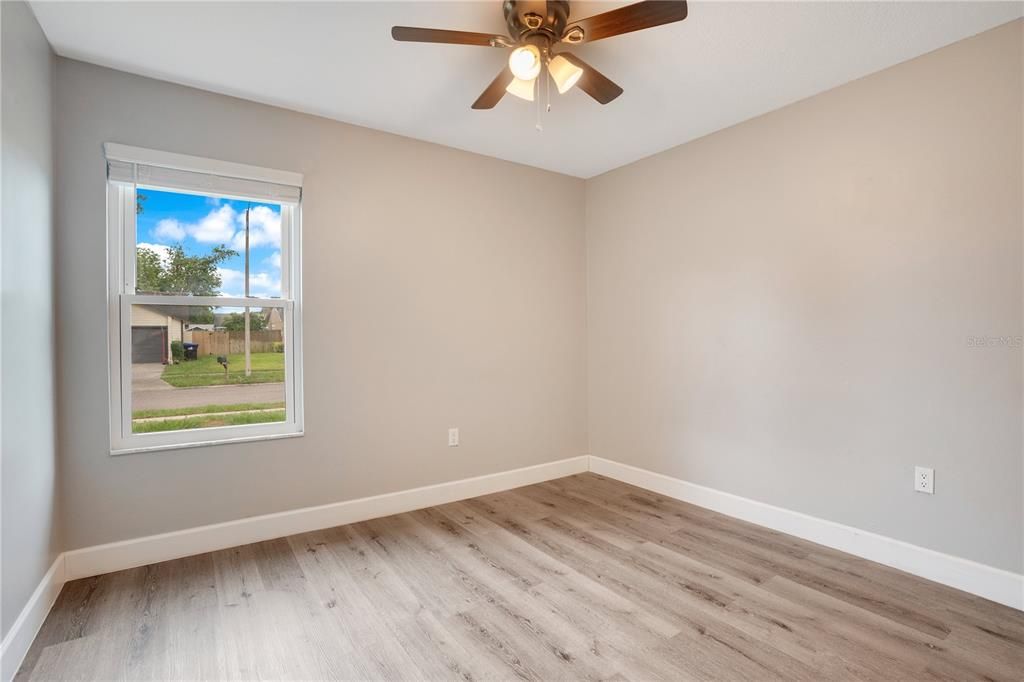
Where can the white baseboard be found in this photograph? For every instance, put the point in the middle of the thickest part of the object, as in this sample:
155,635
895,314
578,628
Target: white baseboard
985,581
81,563
18,640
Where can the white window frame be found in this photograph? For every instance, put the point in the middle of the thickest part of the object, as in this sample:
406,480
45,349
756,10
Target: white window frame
121,241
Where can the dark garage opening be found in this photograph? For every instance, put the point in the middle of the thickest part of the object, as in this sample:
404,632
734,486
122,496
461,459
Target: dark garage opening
149,344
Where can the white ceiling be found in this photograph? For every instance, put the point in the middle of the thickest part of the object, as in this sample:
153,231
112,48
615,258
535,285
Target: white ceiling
728,62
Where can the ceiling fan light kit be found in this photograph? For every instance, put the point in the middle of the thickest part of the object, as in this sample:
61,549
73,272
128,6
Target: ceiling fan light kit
525,62
564,73
523,89
536,28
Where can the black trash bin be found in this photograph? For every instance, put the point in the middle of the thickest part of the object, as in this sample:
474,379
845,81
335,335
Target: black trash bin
191,351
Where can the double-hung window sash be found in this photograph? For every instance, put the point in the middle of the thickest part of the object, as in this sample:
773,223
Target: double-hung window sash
128,170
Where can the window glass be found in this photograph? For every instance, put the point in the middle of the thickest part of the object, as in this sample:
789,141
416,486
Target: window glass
190,244
189,368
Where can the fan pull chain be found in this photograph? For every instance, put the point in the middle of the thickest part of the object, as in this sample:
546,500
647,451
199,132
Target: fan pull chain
536,97
547,90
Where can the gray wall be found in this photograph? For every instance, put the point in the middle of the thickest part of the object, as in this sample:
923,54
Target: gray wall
441,289
782,310
27,396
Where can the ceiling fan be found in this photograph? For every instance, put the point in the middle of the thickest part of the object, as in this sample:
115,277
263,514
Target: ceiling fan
535,29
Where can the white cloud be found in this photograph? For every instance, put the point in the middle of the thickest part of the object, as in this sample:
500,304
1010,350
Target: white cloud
262,284
161,250
230,279
264,228
216,228
224,225
273,260
169,229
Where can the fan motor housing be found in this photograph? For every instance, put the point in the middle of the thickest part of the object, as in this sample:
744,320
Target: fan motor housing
532,17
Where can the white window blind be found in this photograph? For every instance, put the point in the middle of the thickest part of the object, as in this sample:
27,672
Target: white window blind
153,168
201,183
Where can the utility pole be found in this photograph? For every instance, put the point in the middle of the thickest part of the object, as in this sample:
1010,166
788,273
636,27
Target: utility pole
248,363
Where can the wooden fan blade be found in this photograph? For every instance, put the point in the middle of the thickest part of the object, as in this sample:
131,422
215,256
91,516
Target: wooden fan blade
436,35
593,82
630,18
495,91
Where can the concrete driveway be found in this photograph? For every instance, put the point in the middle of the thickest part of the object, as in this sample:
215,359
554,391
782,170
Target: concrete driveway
150,392
146,377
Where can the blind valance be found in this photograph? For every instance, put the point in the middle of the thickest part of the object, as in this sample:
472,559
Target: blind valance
187,174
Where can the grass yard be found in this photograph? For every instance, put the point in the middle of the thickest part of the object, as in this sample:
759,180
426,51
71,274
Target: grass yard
206,371
208,420
204,409
266,368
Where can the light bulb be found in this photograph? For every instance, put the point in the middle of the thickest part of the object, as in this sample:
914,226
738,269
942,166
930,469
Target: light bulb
564,73
524,62
521,89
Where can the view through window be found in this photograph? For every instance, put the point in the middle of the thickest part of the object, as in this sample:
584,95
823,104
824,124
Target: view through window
190,365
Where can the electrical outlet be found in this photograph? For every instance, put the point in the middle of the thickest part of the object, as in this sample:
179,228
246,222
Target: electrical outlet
924,480
453,438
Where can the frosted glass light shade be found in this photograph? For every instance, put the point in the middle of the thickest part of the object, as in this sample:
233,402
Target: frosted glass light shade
522,89
564,73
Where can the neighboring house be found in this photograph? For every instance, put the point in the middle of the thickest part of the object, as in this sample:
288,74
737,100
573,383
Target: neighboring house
274,320
154,328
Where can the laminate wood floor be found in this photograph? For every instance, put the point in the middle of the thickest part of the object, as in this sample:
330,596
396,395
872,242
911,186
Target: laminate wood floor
579,578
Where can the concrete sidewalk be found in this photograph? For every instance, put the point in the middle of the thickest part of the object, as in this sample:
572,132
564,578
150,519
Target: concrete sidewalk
150,392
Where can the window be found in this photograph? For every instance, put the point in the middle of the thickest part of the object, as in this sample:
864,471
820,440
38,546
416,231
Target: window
204,301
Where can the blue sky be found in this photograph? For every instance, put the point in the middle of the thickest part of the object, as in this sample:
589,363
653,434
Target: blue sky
200,223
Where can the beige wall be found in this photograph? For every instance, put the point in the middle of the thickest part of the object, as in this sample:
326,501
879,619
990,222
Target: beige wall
433,298
783,310
174,332
148,317
29,451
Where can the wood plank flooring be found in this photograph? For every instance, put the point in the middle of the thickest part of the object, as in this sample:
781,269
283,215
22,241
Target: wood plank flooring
579,578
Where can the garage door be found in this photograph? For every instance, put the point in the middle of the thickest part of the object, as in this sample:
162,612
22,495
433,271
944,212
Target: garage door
148,344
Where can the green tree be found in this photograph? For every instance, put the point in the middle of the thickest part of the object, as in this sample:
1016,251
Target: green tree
201,315
148,271
180,274
235,322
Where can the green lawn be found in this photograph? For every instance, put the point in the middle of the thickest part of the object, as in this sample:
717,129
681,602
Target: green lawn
204,409
266,368
208,421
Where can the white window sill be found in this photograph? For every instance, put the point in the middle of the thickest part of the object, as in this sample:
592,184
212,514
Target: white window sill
114,452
